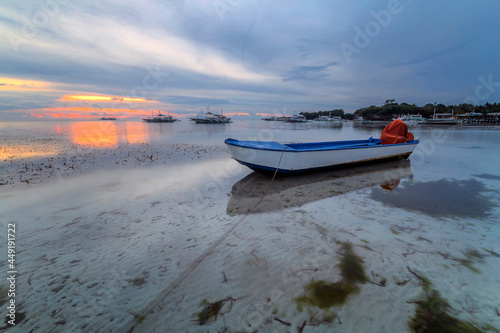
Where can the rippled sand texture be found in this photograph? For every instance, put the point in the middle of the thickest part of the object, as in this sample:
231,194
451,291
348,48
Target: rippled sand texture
143,248
208,246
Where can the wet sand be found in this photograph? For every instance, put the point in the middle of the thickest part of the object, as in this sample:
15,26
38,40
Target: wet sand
138,248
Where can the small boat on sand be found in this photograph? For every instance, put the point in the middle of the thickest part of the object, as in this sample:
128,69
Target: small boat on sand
270,156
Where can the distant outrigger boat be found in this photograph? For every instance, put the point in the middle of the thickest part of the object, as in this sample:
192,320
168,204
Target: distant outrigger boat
441,119
328,118
412,119
211,118
296,119
160,118
108,118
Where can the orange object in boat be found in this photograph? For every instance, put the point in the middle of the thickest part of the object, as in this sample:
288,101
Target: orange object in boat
396,132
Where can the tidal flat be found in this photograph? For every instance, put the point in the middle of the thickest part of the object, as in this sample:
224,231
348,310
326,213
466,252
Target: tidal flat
154,227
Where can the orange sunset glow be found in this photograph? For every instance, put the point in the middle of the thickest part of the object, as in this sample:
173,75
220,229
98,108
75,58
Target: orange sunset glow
65,115
92,112
108,134
238,114
102,135
93,109
26,151
11,84
98,98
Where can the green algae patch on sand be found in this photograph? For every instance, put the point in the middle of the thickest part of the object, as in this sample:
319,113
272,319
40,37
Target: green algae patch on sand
471,256
324,294
212,310
431,314
394,231
351,266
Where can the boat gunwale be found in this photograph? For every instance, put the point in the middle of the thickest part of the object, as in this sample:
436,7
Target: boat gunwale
352,144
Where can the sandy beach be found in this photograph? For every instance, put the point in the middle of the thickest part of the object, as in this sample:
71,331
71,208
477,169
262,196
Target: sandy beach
180,238
128,200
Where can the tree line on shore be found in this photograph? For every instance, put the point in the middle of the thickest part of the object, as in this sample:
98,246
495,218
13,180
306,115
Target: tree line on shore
391,109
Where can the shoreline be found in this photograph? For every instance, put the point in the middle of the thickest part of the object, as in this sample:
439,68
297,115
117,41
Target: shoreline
77,160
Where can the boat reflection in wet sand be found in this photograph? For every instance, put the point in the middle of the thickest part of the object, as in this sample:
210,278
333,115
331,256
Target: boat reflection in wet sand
256,193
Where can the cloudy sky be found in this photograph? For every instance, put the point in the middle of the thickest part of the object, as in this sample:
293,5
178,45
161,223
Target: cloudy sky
69,58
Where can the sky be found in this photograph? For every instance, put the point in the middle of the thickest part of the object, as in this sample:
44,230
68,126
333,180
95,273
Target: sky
81,59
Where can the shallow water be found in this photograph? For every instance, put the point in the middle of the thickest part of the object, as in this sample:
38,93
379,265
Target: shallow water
142,246
451,198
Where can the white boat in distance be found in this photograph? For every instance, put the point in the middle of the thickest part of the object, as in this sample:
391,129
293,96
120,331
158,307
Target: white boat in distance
211,118
412,119
160,118
328,118
296,119
269,156
441,119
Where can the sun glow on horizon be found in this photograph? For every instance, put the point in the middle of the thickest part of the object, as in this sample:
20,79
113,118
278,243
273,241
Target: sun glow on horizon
96,113
101,98
238,113
11,84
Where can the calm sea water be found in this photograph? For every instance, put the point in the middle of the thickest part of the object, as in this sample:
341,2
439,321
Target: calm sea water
457,152
103,249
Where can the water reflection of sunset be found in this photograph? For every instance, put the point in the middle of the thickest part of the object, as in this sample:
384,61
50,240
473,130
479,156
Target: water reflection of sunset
108,134
101,134
136,133
19,151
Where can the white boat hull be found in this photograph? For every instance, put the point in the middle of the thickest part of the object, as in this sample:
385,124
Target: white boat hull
289,160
